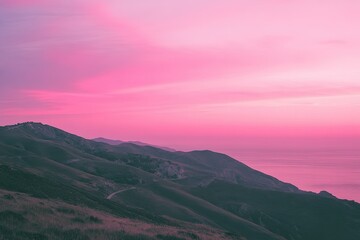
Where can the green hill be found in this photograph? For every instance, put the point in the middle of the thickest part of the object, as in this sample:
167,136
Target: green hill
165,190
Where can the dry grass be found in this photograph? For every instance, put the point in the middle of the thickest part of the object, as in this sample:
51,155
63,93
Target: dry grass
58,220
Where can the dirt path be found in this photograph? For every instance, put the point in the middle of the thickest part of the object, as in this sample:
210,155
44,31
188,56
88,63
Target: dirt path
120,191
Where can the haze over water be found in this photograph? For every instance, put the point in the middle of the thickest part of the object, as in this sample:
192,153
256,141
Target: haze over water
199,73
310,170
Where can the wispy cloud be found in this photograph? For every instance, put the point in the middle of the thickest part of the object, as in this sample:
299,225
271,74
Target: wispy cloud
181,63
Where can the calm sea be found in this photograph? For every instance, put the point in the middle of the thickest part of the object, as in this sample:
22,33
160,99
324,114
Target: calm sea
337,172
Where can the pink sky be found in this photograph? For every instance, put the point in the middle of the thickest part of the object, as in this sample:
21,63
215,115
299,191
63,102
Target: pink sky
186,74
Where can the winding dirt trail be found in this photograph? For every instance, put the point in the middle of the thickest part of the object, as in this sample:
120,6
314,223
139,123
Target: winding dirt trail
120,191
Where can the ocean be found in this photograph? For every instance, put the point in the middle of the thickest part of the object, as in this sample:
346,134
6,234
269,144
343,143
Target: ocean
335,171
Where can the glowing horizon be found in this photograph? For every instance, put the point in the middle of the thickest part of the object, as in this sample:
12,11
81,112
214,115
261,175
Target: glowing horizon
234,69
185,74
273,67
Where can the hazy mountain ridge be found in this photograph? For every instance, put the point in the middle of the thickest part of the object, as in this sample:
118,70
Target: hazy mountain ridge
167,188
118,142
186,165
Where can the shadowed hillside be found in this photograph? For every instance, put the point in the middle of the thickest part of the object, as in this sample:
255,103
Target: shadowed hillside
148,186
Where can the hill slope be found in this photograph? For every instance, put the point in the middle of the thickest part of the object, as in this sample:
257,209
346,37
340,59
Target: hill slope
157,187
118,142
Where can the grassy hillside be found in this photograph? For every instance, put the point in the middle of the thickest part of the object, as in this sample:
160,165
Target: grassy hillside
292,215
51,164
25,217
147,186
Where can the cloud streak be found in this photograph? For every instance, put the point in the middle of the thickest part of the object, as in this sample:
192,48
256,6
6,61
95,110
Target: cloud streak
256,66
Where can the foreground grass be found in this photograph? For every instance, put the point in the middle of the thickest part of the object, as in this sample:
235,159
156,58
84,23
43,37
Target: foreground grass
25,217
